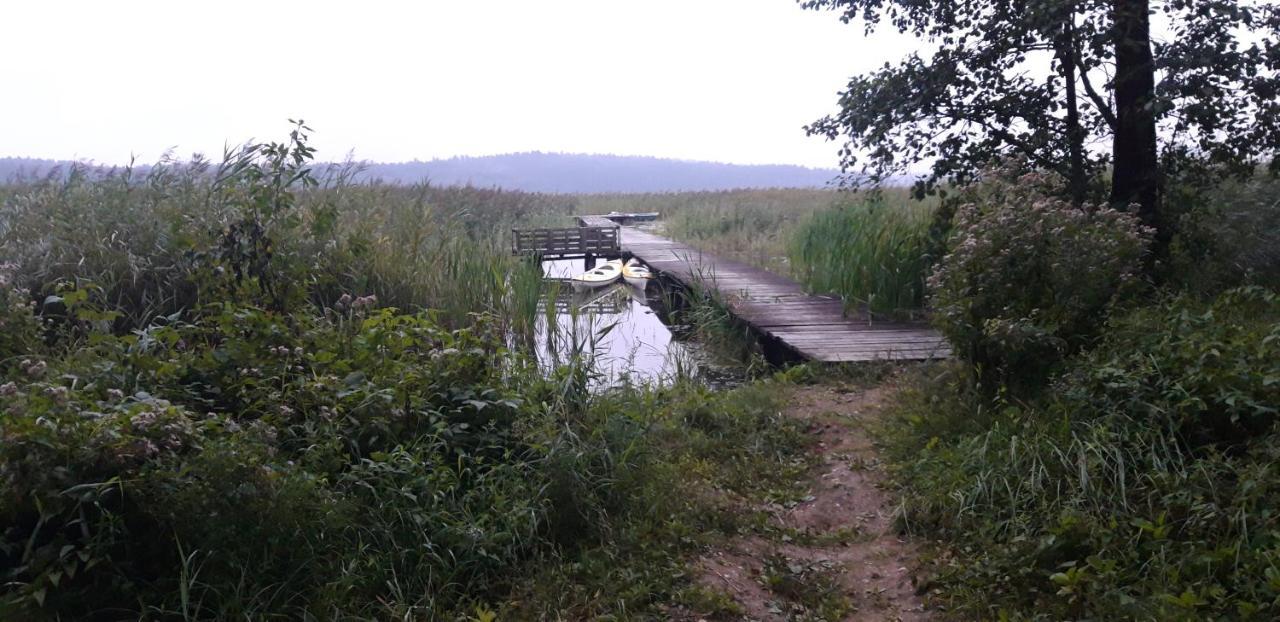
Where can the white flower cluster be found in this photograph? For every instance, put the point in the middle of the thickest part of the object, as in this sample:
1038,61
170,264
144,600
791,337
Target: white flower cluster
33,369
363,302
163,425
284,351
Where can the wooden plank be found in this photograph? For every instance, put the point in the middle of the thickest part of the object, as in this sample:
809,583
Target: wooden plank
857,357
861,327
861,343
840,342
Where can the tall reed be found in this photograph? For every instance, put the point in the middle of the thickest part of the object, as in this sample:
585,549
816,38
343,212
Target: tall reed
869,252
138,235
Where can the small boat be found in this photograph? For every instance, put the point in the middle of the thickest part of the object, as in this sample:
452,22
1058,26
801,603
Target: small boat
626,218
636,275
600,276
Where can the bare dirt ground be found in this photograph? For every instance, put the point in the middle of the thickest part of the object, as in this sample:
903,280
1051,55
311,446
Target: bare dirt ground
834,554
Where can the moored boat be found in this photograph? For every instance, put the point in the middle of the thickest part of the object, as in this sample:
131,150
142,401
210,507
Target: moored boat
600,276
637,276
626,218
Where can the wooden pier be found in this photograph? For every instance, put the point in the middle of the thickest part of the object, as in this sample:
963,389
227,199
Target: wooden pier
810,327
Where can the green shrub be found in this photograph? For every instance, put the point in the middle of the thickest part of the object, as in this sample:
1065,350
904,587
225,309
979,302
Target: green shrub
258,441
1141,485
1029,278
1210,374
351,461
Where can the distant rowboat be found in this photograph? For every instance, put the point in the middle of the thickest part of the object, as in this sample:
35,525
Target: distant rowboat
624,217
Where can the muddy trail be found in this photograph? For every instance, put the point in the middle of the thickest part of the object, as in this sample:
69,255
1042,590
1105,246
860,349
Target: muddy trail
834,554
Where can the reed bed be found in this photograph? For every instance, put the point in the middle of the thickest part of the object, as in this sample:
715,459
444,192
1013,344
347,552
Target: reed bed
137,237
870,252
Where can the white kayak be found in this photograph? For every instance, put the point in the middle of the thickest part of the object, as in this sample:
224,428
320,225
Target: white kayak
600,276
636,275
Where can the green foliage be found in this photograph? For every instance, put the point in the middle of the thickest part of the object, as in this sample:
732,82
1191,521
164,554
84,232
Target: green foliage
259,181
214,414
1029,278
870,253
247,463
681,461
1211,375
1228,236
1039,81
247,437
1140,485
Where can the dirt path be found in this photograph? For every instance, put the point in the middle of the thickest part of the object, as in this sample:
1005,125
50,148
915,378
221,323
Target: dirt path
834,555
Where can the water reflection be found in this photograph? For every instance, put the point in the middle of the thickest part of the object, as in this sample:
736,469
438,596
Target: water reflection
621,328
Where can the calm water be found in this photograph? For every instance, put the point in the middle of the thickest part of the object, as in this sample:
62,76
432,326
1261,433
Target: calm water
622,328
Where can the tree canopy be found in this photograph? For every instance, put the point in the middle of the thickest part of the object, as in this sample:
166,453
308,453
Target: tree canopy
1142,88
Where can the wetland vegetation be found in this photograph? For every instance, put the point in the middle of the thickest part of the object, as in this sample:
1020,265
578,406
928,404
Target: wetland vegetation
257,388
317,398
238,390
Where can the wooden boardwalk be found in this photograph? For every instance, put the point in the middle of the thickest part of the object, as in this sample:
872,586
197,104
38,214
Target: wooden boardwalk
813,327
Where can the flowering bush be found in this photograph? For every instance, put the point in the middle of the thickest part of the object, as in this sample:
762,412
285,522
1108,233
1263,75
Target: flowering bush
1029,277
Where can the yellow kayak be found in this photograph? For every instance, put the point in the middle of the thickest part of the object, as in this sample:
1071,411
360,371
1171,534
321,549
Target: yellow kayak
637,276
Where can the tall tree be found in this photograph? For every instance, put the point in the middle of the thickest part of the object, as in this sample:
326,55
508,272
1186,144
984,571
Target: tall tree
1135,176
1055,81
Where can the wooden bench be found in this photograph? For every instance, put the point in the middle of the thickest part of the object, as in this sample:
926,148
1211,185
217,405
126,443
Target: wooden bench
567,243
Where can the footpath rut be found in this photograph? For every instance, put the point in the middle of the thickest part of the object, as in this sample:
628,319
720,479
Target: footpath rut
846,561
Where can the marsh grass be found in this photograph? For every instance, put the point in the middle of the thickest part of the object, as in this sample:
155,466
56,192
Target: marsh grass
873,253
250,398
701,311
138,237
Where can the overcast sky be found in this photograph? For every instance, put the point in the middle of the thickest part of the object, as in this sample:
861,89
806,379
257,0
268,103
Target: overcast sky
725,80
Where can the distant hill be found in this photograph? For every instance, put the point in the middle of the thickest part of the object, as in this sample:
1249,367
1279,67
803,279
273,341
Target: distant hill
27,167
577,173
558,172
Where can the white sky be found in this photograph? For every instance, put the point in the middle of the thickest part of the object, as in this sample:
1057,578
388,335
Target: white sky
725,80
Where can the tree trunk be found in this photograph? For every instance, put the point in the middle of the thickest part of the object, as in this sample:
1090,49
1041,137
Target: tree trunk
1067,52
1136,175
